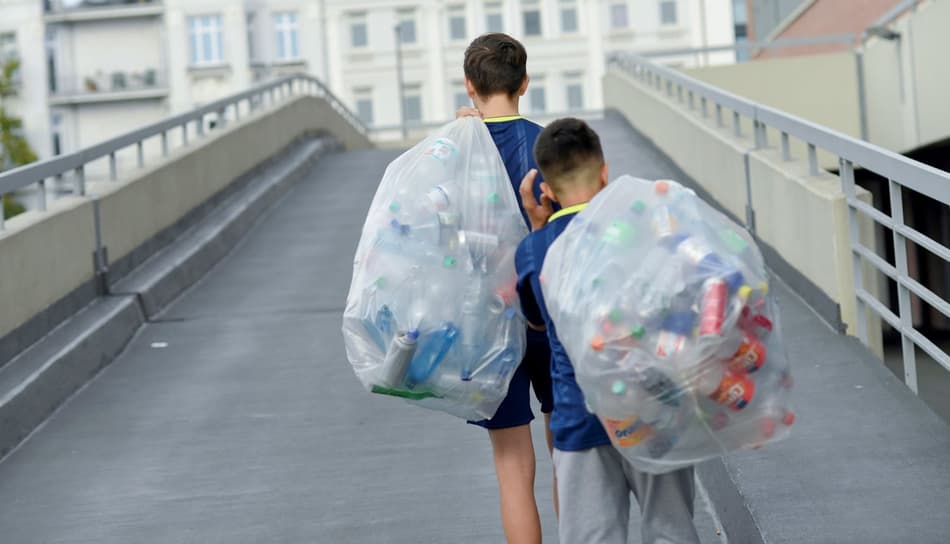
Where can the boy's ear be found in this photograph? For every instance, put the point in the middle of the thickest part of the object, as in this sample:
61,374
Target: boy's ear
524,86
604,175
548,192
470,88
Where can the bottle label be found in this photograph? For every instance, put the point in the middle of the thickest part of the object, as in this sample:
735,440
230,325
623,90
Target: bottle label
627,433
442,149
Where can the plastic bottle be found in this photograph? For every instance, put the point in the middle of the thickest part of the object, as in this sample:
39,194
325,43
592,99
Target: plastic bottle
430,354
397,359
473,327
380,327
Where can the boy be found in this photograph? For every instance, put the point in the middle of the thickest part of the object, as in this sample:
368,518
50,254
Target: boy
594,481
495,79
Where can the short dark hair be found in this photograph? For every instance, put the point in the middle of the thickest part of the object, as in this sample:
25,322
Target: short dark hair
496,63
565,148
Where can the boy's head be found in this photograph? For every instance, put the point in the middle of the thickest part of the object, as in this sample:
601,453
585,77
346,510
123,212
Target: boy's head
571,160
496,64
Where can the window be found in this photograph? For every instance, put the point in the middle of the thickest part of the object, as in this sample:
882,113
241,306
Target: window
618,15
8,49
668,12
407,25
285,30
363,97
250,21
568,16
460,98
358,34
531,15
741,22
537,101
494,22
413,103
456,23
206,41
574,87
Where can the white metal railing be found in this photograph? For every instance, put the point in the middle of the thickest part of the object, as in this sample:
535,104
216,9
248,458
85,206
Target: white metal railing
222,111
900,172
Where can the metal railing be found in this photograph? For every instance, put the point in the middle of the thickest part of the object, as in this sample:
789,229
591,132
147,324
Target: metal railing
901,173
222,111
111,83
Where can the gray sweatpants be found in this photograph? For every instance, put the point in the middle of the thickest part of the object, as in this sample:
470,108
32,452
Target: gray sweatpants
594,487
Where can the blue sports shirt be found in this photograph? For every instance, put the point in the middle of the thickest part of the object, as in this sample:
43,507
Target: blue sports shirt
573,427
514,137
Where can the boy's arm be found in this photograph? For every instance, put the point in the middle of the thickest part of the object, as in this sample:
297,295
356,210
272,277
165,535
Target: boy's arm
524,265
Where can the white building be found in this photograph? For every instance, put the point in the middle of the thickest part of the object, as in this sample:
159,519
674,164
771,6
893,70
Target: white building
93,69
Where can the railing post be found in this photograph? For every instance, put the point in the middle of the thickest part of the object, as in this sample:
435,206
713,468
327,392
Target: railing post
164,144
113,168
903,293
704,107
42,185
100,256
184,134
719,122
201,125
736,124
222,118
2,212
81,180
846,173
812,160
786,149
692,105
140,153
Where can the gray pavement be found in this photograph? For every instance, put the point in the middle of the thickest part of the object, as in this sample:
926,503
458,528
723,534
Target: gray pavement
235,417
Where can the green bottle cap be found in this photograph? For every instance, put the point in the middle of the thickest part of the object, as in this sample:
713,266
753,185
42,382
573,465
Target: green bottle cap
380,282
394,207
618,387
448,262
494,197
638,206
619,233
615,316
638,331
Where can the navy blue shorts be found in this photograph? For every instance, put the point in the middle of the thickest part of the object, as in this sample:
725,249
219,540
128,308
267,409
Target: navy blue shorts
533,372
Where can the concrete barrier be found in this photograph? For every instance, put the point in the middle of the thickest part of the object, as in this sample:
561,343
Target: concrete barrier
800,219
46,259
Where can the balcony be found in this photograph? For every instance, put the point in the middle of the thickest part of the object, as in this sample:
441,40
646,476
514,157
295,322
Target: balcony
71,11
116,86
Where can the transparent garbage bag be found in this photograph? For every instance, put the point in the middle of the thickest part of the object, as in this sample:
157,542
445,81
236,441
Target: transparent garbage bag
663,306
432,315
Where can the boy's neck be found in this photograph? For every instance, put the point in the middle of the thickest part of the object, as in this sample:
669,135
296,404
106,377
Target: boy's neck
579,196
498,105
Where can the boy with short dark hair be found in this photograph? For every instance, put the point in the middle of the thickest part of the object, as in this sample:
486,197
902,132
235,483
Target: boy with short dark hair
496,78
594,481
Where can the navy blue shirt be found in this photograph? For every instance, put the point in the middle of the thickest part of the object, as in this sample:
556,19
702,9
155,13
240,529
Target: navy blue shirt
514,137
573,427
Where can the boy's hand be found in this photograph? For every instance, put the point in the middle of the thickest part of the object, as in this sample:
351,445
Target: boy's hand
466,111
538,213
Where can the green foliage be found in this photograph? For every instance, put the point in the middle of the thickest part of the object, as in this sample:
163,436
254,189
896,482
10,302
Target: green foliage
14,149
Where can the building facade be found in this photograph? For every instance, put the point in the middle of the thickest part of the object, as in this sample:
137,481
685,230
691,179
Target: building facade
93,69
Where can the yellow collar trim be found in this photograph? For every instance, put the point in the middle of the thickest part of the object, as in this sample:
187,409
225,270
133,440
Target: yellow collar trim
567,211
502,119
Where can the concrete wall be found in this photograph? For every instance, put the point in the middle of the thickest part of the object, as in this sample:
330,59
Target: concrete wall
803,218
820,88
908,80
46,256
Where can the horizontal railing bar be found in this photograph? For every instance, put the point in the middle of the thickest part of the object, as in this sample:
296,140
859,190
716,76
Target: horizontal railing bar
914,235
879,263
23,176
932,349
911,174
879,308
926,295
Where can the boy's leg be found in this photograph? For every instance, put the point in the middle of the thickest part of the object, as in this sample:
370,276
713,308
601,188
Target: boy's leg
595,499
514,467
666,505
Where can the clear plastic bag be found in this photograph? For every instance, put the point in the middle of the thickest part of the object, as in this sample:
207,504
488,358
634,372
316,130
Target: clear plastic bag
662,304
432,314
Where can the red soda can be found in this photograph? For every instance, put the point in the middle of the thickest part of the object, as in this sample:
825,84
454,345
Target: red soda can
749,357
735,391
669,344
713,309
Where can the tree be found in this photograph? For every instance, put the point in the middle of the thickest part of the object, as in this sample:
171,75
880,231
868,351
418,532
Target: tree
14,149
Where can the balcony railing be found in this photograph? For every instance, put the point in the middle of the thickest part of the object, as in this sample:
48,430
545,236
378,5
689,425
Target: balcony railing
110,86
78,10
